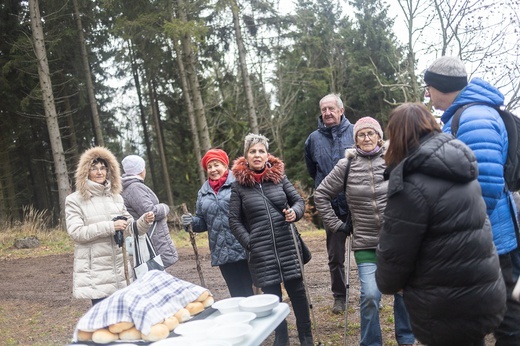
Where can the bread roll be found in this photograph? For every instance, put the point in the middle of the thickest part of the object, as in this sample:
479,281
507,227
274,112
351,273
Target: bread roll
182,315
84,336
195,308
203,296
171,323
130,334
158,332
208,302
104,336
117,328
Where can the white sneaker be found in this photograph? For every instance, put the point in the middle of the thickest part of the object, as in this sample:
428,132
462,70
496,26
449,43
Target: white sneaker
516,291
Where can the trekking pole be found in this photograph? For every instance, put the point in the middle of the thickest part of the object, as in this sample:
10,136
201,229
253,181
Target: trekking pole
349,240
125,264
193,242
300,261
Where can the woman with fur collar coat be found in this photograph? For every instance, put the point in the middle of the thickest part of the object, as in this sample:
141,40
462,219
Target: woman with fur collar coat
90,213
263,203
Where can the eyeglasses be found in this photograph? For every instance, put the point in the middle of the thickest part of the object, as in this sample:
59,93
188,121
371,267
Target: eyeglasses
98,169
370,135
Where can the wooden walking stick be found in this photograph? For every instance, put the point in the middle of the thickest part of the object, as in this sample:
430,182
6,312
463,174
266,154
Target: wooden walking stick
187,228
125,263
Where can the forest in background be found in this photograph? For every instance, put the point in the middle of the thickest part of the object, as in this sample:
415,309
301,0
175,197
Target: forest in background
169,79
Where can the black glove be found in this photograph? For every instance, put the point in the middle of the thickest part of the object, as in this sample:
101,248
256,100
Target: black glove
118,236
345,228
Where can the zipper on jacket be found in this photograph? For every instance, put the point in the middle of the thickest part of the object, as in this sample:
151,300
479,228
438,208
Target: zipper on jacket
374,198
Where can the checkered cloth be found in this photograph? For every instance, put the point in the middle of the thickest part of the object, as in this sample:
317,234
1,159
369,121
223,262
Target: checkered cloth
147,301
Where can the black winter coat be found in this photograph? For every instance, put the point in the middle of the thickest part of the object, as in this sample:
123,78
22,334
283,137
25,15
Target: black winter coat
437,245
261,228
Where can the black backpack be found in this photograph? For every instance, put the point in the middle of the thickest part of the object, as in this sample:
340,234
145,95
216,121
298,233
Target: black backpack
512,123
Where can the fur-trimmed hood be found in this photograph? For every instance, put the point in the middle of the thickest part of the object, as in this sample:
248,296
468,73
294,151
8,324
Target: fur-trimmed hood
82,171
274,171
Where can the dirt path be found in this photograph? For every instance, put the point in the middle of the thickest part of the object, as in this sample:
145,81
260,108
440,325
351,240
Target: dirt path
37,307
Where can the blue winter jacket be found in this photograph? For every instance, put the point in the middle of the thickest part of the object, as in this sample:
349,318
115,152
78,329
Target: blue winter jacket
482,129
212,215
323,149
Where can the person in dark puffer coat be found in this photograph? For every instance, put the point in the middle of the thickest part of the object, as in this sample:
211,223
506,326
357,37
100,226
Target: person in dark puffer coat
436,243
264,230
212,215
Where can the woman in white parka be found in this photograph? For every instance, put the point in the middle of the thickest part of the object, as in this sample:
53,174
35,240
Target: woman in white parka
92,221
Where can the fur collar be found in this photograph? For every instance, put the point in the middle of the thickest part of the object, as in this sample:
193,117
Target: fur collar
274,171
113,175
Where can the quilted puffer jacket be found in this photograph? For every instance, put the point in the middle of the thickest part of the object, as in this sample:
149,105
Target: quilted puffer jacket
261,228
212,215
140,199
436,244
366,196
98,260
323,149
482,129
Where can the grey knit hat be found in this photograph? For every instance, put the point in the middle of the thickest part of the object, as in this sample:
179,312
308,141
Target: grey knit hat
133,165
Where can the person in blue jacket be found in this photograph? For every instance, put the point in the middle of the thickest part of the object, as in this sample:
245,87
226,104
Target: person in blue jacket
212,215
323,149
482,129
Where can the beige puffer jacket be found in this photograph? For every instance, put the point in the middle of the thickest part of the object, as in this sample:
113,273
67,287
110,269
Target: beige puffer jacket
98,260
366,196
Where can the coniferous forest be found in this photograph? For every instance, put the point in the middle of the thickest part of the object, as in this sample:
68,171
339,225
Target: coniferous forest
169,79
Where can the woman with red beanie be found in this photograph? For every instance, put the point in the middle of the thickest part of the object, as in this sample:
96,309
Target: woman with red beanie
212,214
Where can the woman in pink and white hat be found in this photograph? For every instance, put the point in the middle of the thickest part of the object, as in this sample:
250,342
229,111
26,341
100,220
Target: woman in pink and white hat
360,173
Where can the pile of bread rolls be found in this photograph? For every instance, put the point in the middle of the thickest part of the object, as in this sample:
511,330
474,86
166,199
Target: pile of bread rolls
127,331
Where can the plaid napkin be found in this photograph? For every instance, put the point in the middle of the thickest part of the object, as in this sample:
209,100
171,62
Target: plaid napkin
147,301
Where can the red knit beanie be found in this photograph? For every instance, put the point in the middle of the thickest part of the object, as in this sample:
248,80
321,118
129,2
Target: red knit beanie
214,154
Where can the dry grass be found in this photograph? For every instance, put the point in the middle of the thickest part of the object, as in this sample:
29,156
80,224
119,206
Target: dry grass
55,240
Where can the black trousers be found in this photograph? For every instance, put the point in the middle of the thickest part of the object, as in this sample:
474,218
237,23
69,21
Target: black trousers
296,291
508,332
238,278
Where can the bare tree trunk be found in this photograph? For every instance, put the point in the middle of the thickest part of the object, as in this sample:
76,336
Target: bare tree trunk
160,141
147,141
191,71
191,112
73,139
49,106
88,78
253,121
8,186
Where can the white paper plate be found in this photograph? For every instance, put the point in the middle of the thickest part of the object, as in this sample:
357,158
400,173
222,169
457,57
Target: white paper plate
227,305
198,329
177,341
261,304
233,333
235,317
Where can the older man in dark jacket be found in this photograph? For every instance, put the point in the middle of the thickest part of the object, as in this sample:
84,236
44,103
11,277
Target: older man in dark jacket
323,149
